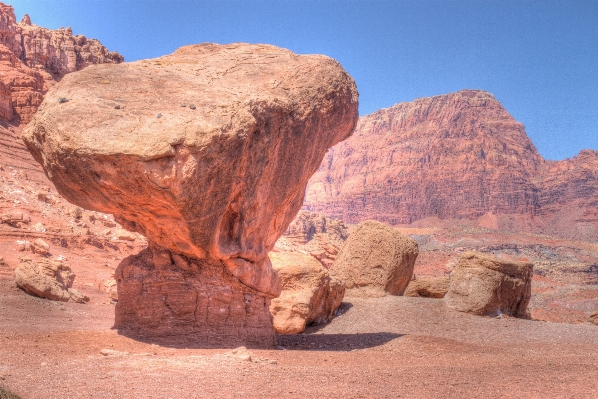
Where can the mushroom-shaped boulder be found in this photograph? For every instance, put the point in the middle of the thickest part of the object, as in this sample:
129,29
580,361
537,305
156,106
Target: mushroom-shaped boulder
207,153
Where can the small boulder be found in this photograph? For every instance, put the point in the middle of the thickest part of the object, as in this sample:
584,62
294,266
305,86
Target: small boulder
485,285
40,247
122,234
51,279
111,289
23,245
39,227
428,287
42,196
12,218
309,295
375,260
594,318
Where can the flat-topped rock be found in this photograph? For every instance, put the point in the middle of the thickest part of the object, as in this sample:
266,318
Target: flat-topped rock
206,151
485,285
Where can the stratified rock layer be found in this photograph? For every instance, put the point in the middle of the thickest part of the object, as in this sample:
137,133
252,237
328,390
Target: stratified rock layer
484,285
375,260
455,156
162,294
206,151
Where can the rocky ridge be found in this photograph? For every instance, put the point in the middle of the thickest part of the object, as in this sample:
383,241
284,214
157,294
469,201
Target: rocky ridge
453,158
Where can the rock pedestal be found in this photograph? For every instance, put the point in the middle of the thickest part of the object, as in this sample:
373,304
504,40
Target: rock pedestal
161,294
206,152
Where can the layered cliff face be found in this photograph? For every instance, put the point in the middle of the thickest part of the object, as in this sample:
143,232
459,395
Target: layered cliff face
454,156
33,58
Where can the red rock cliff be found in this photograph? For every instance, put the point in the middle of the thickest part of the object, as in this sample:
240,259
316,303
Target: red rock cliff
33,58
454,156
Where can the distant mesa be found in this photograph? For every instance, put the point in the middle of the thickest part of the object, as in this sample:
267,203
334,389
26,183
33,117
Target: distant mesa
212,188
455,158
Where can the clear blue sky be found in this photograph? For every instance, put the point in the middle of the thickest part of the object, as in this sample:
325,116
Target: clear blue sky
539,58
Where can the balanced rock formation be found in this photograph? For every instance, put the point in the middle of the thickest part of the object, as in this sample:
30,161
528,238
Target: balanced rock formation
376,260
309,295
484,285
207,153
428,287
453,157
51,279
33,58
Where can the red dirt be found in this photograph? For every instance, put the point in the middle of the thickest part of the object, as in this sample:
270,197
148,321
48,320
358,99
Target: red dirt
381,348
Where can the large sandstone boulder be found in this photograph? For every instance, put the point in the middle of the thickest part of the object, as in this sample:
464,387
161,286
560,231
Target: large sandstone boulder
484,285
375,260
206,152
428,287
51,279
309,295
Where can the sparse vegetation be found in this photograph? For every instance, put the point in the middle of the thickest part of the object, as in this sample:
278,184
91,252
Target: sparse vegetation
6,394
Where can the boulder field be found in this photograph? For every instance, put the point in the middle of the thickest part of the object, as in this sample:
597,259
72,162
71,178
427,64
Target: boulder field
206,152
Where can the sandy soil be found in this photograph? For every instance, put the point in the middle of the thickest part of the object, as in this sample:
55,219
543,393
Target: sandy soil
392,347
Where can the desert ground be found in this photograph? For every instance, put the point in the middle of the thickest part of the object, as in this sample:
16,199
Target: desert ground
390,347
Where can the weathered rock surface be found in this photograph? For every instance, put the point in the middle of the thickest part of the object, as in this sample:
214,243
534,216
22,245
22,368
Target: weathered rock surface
309,295
428,287
484,285
33,58
456,156
307,224
218,182
163,294
594,318
316,235
45,278
375,260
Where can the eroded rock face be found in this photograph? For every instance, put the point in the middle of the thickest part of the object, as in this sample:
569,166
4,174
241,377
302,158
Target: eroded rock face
485,285
45,278
428,287
309,295
314,234
455,156
164,294
33,58
594,318
375,260
219,181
